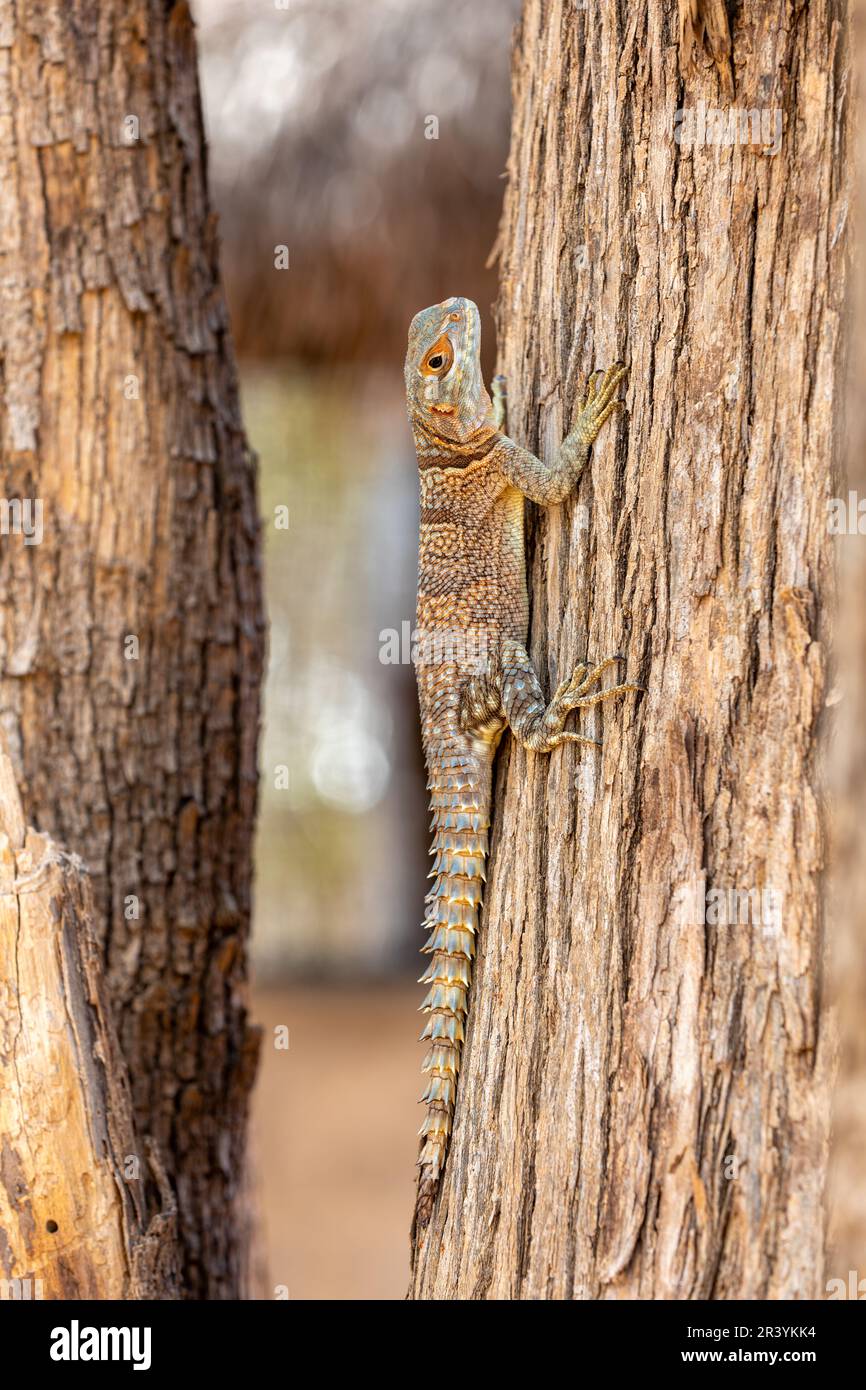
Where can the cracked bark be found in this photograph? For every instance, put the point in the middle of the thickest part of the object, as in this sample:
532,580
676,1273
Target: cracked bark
643,1106
131,637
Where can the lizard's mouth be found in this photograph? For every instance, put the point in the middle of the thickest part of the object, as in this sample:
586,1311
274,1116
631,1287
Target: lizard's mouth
442,409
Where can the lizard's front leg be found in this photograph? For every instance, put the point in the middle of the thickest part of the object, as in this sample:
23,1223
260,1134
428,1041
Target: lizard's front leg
540,726
549,483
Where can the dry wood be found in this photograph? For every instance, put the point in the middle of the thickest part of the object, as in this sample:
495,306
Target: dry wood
643,1107
75,1187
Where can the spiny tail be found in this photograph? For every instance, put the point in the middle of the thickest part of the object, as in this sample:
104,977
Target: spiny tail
460,801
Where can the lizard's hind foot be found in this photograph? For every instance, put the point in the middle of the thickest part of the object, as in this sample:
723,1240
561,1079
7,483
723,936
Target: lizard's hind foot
540,728
572,694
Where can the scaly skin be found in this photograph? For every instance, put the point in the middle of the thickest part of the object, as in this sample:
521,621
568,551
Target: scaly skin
474,675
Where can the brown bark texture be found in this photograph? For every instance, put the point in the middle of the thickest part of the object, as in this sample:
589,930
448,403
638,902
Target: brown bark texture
131,636
73,1220
643,1110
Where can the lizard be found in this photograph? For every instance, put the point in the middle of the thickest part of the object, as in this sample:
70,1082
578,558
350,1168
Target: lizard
474,675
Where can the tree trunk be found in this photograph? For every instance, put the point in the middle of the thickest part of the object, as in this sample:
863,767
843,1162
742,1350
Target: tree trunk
132,633
643,1107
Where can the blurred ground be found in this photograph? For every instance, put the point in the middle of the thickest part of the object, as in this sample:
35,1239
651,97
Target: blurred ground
334,1124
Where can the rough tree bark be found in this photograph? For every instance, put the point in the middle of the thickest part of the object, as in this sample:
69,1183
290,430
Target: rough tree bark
132,634
643,1108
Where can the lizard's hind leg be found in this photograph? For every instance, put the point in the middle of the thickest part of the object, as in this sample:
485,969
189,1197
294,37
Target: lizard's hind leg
480,713
539,726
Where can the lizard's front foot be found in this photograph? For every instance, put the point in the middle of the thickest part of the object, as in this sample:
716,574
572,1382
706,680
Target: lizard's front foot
599,403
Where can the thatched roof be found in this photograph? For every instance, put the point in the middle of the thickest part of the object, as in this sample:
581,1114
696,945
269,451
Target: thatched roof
316,116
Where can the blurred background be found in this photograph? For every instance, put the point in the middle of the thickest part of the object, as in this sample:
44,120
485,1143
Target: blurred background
356,154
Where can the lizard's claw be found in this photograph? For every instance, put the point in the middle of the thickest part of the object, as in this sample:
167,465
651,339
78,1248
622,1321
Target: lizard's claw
569,737
591,386
572,694
600,401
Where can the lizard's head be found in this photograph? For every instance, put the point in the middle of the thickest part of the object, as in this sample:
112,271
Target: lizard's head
444,385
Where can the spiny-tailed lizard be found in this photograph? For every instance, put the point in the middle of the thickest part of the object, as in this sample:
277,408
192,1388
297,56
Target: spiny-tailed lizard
474,673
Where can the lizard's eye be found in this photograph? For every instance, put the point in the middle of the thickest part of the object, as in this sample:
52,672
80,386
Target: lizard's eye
439,358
